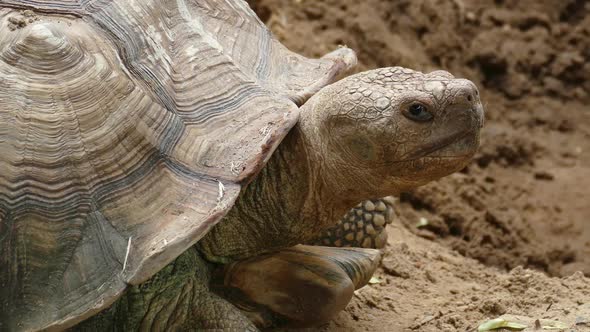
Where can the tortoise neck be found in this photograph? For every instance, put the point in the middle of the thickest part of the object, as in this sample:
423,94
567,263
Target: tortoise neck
288,203
306,202
320,204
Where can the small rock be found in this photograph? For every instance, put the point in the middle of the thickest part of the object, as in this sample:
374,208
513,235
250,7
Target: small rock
430,276
424,233
397,268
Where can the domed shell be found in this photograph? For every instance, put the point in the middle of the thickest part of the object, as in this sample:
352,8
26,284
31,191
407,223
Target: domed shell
127,129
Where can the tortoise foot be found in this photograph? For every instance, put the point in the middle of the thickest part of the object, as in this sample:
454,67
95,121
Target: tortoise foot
299,286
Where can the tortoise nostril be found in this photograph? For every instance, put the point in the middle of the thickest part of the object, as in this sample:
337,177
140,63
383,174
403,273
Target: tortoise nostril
470,97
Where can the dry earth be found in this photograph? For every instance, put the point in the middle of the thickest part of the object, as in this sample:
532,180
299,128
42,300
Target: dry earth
506,235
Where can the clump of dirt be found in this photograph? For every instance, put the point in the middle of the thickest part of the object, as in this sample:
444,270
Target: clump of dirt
424,286
515,47
524,199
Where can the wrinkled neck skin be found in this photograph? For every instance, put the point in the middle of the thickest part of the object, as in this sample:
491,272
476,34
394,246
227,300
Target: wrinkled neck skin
289,202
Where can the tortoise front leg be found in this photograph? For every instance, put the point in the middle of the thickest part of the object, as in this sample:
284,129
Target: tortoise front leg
362,226
175,299
298,286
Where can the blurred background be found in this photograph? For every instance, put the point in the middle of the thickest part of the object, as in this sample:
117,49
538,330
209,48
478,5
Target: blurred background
525,200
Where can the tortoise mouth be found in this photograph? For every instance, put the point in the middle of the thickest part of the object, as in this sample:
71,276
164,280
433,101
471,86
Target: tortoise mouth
469,136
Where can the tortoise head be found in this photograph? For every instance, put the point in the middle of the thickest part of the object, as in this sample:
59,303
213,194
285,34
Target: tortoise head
392,129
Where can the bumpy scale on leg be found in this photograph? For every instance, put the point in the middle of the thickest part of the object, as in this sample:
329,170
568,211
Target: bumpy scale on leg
363,226
175,299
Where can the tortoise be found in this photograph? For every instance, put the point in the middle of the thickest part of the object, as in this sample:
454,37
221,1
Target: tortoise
164,164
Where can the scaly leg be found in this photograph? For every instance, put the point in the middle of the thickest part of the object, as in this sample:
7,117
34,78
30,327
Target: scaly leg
175,299
363,226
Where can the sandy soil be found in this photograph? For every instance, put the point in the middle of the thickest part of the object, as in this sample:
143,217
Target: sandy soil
506,235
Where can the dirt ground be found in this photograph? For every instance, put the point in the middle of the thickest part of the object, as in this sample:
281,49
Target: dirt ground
506,235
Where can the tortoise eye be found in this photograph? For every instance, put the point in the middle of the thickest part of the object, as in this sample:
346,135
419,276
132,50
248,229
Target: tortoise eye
417,112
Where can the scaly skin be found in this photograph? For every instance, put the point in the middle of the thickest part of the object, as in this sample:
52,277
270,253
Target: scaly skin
176,299
363,226
356,139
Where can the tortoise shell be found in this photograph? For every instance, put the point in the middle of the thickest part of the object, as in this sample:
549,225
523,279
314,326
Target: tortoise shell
127,129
